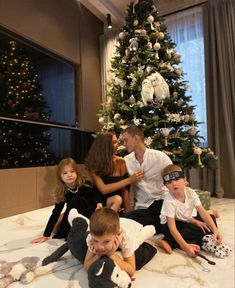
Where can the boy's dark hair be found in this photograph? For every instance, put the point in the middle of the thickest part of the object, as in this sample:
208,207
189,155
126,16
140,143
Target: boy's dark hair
104,221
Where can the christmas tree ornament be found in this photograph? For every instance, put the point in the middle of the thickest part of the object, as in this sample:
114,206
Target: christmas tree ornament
134,4
122,35
147,91
165,133
157,46
179,71
177,58
143,32
180,102
160,35
198,152
150,20
135,22
161,88
136,121
117,116
150,45
148,141
175,94
134,44
157,25
102,120
132,100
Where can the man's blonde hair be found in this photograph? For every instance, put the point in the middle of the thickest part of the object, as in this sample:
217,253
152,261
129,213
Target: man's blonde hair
104,221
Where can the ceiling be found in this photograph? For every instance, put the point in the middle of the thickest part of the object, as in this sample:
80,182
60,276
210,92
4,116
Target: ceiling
116,8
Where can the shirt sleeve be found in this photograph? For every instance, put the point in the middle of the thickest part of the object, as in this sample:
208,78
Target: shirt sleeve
196,199
53,218
168,208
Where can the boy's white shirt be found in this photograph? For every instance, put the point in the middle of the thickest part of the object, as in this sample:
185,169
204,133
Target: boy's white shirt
171,207
133,234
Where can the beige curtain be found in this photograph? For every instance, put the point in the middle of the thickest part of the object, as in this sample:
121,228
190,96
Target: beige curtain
219,21
108,44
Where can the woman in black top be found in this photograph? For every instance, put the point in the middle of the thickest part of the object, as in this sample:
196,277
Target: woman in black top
72,190
108,172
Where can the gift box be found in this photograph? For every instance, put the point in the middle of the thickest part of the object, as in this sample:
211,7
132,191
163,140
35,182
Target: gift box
205,197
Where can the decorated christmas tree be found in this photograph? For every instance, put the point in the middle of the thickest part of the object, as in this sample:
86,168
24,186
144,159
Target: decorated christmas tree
21,144
148,89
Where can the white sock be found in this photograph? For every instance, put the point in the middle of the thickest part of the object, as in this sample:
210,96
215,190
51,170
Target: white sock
73,213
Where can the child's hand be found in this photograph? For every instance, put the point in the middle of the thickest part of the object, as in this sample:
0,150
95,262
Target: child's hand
99,205
218,238
192,250
39,240
202,225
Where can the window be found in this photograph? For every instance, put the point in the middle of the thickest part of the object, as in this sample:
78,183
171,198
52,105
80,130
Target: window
37,87
186,30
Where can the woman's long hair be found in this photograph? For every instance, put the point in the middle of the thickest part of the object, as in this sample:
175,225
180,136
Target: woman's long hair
61,188
99,159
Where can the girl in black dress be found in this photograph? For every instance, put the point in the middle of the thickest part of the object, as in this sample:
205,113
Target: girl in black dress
73,191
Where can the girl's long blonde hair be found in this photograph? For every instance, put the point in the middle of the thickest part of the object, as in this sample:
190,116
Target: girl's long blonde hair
61,189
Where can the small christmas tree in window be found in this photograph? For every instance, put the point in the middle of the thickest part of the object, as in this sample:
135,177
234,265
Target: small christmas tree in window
21,144
149,90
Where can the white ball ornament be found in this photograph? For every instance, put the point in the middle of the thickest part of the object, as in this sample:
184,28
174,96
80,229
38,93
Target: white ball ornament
197,150
122,35
156,46
150,20
102,120
117,116
143,32
161,35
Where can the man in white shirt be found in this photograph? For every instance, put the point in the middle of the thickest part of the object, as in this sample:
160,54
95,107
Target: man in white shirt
150,191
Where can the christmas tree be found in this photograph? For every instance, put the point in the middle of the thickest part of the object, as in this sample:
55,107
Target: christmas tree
21,145
148,89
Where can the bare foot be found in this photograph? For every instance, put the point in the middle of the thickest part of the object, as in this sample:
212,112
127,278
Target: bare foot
163,244
214,212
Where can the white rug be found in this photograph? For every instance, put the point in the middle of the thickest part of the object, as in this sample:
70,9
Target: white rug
165,271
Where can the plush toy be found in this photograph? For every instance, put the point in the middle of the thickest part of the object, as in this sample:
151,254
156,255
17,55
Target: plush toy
24,270
76,243
134,44
209,245
147,91
104,273
154,87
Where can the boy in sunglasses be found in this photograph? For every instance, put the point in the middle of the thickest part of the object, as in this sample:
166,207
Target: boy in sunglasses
184,220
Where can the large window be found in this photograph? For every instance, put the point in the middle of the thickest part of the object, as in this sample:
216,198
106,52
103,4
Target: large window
186,30
37,87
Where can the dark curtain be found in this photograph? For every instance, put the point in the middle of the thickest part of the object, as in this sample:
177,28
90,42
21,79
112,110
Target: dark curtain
219,29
